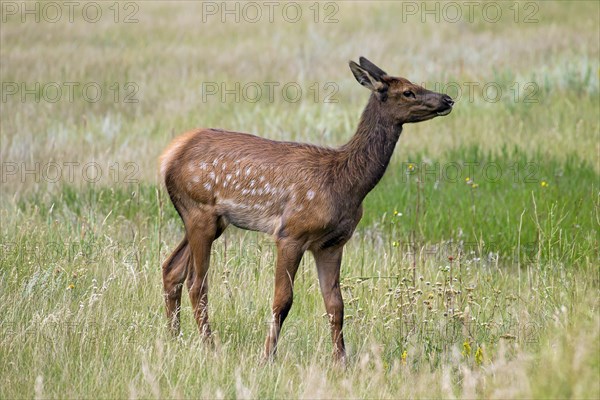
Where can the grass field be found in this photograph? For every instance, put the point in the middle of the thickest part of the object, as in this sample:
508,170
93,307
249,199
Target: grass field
473,274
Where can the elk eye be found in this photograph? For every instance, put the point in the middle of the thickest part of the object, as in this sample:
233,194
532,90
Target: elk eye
409,93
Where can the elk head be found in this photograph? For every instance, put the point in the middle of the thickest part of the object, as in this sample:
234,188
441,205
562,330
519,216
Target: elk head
402,101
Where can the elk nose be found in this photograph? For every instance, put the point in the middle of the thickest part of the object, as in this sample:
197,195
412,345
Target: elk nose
448,100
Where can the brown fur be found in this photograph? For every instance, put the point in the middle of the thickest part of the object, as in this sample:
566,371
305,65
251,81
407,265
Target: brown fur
308,197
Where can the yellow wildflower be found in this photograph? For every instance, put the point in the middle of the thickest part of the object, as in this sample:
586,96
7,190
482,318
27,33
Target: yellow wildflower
479,356
544,184
71,287
466,348
404,355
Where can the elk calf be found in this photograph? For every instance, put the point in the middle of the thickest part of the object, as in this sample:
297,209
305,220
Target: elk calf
308,197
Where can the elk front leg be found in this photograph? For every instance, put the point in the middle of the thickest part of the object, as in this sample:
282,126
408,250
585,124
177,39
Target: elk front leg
201,232
175,269
289,254
328,267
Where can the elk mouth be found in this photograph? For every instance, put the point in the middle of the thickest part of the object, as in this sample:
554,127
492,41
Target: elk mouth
444,112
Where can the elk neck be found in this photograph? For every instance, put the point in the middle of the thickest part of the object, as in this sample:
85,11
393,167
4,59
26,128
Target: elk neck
364,159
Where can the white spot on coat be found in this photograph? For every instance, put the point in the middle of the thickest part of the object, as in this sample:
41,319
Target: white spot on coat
310,194
207,186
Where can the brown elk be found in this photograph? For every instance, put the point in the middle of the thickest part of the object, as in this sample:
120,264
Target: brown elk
308,197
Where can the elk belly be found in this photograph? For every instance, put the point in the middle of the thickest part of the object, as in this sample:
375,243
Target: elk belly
254,217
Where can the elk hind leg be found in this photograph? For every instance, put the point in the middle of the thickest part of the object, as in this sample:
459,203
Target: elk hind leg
202,229
174,271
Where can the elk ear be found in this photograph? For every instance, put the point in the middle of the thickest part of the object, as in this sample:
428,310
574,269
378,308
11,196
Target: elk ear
372,68
367,79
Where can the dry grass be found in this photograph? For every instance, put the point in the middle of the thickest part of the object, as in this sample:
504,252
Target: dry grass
170,58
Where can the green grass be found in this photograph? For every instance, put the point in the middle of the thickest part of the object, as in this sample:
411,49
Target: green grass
493,203
486,287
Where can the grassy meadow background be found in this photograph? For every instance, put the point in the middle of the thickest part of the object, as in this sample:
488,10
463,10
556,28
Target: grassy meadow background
474,273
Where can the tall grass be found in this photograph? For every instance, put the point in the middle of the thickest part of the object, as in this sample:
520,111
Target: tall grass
85,313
